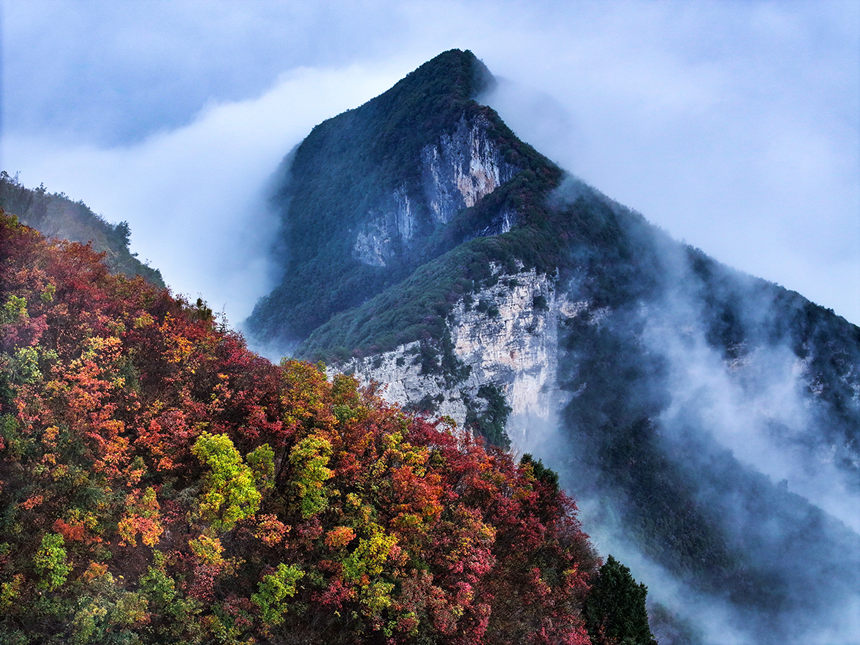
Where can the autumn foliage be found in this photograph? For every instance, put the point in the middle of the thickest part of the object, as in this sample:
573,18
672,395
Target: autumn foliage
161,483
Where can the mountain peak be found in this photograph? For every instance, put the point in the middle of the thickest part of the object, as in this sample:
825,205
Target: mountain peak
456,73
374,192
434,92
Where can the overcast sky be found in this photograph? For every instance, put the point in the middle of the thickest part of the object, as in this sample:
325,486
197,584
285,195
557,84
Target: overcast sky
733,125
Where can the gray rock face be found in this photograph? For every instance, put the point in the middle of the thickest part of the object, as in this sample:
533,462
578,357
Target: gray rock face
389,229
507,337
462,168
459,170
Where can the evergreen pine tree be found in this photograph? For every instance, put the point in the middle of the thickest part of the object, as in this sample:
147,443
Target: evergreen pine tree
615,608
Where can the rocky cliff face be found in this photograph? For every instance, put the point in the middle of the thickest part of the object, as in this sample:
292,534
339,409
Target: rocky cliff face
507,336
504,337
462,167
388,230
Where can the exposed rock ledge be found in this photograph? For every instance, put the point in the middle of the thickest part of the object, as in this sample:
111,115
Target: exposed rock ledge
459,170
506,335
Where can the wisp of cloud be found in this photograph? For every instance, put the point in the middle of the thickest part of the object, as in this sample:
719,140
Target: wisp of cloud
195,196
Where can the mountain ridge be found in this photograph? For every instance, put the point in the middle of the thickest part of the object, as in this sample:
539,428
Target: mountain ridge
400,178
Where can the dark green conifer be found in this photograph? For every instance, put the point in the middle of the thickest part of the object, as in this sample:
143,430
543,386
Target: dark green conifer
615,608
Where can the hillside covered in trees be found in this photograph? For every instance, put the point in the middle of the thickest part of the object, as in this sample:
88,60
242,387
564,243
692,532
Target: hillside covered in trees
161,483
57,216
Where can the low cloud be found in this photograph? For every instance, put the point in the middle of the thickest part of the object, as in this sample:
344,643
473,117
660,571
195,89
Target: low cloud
734,126
196,196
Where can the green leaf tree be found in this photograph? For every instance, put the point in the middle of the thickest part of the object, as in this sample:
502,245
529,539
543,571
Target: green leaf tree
274,589
51,563
230,494
309,459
